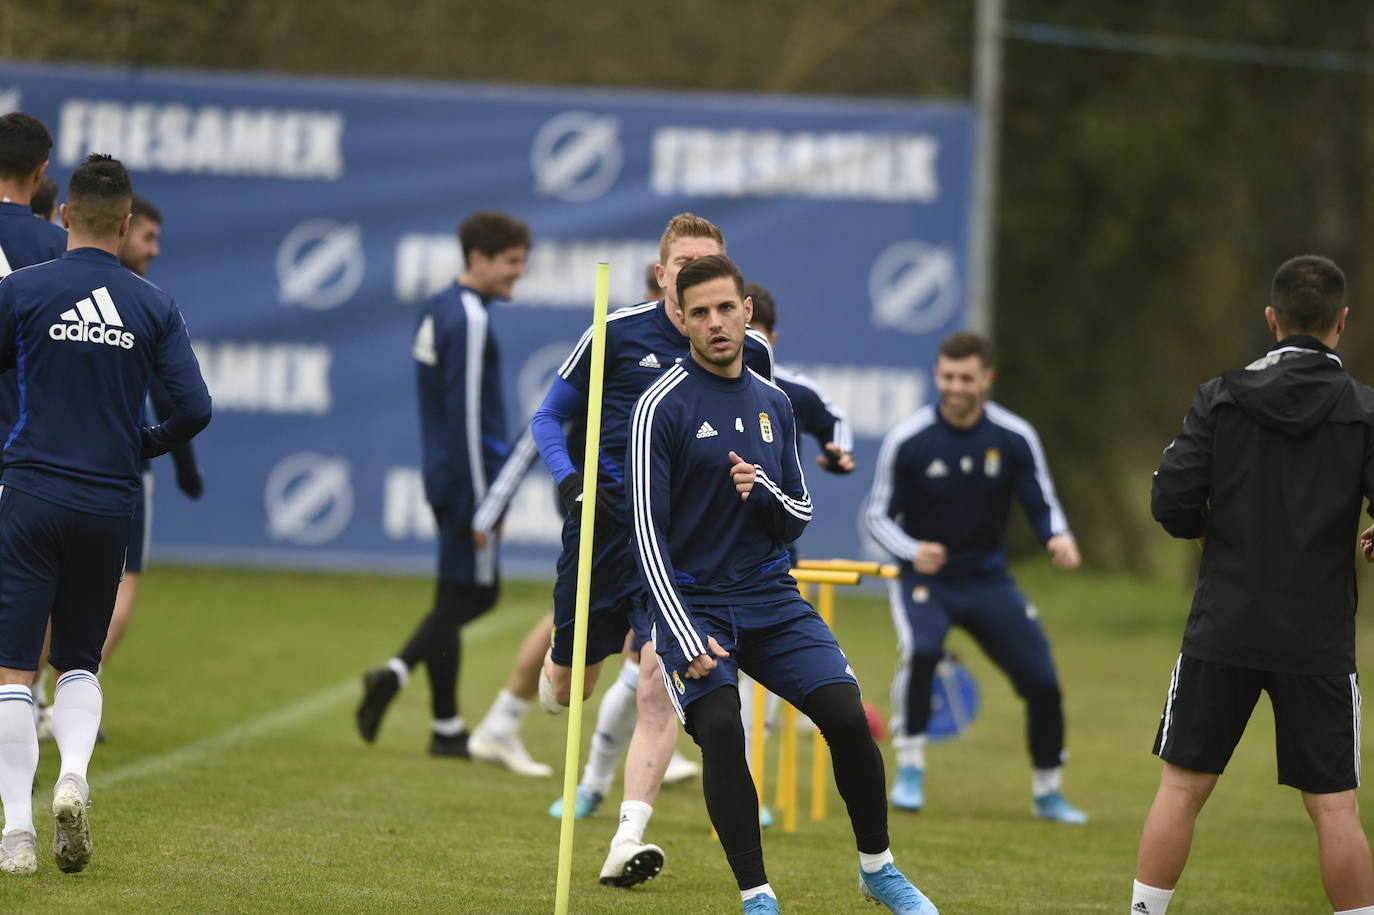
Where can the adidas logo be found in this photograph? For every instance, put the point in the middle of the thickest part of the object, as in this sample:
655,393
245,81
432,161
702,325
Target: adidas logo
650,362
937,468
706,431
89,325
1141,907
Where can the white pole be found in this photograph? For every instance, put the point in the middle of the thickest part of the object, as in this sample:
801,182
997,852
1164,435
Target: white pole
987,100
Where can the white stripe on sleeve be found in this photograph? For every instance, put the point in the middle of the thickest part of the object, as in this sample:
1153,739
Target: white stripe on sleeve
881,524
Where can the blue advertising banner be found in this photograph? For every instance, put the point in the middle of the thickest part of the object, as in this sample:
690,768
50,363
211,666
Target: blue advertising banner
306,219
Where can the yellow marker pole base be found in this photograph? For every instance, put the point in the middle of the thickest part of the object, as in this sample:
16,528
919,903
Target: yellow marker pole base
787,769
820,757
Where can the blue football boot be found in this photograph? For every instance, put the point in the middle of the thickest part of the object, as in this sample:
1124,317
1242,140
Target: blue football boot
909,791
888,887
585,803
762,905
1052,806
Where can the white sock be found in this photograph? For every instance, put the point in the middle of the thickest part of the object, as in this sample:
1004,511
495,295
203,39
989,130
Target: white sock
1047,781
874,863
634,819
1149,900
399,668
615,724
911,751
762,889
18,756
76,706
449,727
1362,910
504,717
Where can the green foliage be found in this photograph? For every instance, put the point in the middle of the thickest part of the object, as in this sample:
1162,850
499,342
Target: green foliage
233,780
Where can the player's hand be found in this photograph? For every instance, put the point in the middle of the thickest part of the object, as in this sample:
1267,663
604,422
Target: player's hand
835,459
703,664
743,474
570,492
929,557
479,538
1367,543
190,482
1063,551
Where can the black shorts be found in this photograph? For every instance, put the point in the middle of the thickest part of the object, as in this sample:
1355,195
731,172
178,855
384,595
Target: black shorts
1316,722
60,563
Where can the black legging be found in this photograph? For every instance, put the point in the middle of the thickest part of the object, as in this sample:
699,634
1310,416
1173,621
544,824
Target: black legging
438,643
733,805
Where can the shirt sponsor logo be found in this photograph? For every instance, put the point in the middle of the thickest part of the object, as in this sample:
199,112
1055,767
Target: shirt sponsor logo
914,287
706,431
557,273
281,378
320,264
830,165
93,320
177,138
765,427
576,156
937,468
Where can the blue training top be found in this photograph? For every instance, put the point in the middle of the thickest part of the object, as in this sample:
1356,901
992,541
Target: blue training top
462,408
84,335
25,240
696,541
641,343
935,482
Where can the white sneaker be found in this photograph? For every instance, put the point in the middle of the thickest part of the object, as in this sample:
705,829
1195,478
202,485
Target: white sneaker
547,700
680,769
506,751
71,840
19,852
630,863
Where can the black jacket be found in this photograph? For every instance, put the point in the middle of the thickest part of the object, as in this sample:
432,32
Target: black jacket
1271,468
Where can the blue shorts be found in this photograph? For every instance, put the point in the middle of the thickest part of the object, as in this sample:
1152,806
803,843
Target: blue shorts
60,563
991,609
617,598
141,528
459,559
785,646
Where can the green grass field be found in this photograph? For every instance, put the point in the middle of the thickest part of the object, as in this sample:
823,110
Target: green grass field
233,780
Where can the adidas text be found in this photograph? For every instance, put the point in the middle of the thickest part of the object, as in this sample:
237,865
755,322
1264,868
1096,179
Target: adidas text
92,333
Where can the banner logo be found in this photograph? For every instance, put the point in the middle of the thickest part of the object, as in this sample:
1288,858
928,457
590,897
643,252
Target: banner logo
576,156
914,287
320,264
309,499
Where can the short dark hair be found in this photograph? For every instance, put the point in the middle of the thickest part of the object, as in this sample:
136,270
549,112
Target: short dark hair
651,281
964,343
143,208
491,232
99,196
765,310
705,269
44,198
1308,294
24,144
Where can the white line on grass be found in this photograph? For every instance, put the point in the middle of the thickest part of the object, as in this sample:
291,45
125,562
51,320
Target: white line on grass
310,707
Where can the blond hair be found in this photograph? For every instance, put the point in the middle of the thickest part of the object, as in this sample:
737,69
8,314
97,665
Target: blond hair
687,225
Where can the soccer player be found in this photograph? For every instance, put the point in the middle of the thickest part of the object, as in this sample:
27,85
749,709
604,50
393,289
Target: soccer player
83,335
43,203
941,495
717,492
139,248
816,415
462,439
642,342
1269,472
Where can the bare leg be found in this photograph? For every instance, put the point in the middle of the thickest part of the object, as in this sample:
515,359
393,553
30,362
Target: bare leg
561,679
1168,834
524,678
1342,849
123,612
655,736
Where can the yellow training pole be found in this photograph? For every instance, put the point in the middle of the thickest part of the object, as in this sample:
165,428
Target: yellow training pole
787,769
820,781
759,710
590,462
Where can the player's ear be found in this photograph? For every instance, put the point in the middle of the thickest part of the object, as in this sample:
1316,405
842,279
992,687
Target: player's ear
124,225
748,309
42,170
1271,318
661,276
62,212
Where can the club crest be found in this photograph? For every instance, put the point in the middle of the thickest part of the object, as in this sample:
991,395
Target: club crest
765,427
